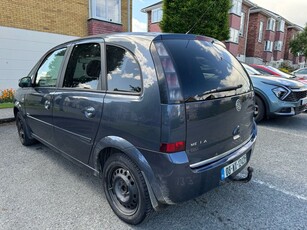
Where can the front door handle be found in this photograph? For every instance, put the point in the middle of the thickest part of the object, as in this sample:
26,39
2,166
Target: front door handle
47,104
89,112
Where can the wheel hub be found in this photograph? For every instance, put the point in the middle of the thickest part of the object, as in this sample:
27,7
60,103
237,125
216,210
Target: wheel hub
124,190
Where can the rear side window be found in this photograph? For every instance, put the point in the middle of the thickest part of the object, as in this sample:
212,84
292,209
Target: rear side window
48,73
84,67
123,71
202,67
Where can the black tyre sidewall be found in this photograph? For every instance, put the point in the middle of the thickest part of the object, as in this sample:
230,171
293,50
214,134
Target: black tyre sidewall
121,160
26,140
261,109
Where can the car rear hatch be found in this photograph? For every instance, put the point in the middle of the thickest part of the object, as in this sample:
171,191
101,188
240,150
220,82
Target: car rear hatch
217,95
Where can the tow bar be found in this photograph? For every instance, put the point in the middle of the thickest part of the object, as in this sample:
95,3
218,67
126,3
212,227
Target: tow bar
245,179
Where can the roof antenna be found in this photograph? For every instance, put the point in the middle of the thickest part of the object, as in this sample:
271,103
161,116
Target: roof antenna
211,3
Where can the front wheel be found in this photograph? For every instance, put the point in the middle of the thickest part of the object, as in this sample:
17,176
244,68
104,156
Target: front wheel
22,130
259,109
125,189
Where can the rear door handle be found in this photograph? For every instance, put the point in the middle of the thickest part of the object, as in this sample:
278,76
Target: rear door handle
90,112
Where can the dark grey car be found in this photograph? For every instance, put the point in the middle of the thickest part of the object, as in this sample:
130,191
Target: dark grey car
162,117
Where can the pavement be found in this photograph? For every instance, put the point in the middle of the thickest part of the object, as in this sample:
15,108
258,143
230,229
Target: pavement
6,115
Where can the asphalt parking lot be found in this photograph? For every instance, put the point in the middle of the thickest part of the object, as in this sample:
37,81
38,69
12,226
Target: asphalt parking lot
42,190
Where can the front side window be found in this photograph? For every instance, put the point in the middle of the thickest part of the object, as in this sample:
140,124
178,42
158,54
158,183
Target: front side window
234,35
268,46
260,35
123,71
236,7
156,15
108,10
84,67
271,24
48,73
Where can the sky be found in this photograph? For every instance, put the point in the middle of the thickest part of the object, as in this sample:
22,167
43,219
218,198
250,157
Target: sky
292,10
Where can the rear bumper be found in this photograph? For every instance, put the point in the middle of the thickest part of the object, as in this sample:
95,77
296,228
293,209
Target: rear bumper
176,181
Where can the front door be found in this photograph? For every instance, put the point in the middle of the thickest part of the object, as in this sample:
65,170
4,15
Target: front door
39,101
78,104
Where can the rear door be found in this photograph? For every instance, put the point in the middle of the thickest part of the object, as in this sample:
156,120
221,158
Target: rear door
39,101
218,99
78,104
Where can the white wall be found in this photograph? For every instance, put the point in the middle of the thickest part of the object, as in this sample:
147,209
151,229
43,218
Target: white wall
20,50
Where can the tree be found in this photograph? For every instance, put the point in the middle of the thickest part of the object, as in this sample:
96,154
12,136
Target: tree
204,17
298,44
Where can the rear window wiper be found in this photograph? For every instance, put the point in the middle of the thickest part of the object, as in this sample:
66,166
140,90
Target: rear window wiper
212,91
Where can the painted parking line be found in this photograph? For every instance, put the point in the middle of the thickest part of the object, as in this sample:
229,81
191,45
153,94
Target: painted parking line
280,190
284,132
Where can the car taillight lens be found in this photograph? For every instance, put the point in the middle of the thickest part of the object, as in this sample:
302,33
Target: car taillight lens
169,73
172,147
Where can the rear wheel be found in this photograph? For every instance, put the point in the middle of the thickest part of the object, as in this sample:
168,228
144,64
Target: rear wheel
22,130
259,109
125,189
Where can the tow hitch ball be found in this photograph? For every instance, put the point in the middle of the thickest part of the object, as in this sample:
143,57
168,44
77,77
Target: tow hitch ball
247,178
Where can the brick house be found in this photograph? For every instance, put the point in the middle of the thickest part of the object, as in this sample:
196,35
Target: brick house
257,35
29,28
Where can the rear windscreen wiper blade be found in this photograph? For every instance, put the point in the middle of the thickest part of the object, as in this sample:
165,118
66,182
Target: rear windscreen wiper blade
212,91
221,89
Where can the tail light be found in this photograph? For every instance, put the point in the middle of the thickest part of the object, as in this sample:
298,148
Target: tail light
172,147
174,91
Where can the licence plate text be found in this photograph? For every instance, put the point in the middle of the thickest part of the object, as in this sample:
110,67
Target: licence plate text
231,168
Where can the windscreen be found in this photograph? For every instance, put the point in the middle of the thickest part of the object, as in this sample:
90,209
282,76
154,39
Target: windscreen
204,67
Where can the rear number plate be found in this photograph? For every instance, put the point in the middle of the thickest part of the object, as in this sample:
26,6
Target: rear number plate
231,168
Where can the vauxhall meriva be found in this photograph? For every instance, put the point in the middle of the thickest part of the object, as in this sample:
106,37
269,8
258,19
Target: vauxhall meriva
162,117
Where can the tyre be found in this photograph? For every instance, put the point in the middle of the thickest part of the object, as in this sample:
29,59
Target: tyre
23,131
125,189
259,109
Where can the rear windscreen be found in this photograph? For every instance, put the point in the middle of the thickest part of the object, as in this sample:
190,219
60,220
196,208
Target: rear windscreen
202,67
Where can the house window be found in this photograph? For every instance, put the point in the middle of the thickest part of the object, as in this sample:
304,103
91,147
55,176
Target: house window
260,35
234,35
280,25
156,15
236,7
278,45
271,24
108,10
268,46
242,24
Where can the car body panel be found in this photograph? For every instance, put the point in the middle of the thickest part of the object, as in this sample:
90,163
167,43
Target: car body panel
88,125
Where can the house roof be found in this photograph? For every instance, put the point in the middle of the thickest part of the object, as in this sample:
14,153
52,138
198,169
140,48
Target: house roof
152,7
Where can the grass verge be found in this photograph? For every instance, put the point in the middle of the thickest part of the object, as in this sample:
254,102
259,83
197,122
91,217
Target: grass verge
6,105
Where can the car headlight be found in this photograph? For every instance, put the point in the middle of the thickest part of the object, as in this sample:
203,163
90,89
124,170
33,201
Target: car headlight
280,92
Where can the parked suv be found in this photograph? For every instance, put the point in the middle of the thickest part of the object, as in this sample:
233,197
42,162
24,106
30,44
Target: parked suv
162,117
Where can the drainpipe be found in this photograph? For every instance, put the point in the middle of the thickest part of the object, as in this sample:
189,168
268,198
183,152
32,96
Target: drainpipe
246,32
129,13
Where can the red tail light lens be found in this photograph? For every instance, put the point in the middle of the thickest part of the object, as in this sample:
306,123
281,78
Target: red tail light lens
172,147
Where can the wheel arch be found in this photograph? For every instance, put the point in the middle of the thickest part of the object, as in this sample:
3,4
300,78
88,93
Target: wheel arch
264,100
113,144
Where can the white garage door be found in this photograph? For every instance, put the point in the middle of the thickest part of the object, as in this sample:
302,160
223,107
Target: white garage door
20,50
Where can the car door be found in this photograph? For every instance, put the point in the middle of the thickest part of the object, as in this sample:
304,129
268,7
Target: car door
39,101
78,103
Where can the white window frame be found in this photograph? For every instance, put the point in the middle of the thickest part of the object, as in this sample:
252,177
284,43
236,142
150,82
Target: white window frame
234,35
260,35
93,11
242,23
268,46
278,45
236,7
156,15
280,25
271,24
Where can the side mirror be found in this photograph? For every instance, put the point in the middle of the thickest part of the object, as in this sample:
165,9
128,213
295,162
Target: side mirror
25,82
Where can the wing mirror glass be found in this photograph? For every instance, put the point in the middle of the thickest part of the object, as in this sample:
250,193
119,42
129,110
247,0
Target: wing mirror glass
25,82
